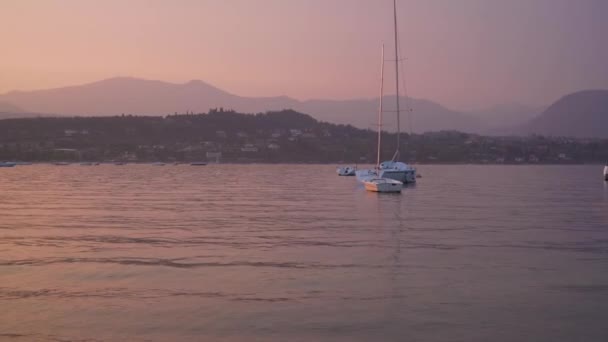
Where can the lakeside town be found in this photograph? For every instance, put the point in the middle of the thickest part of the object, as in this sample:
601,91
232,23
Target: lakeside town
275,137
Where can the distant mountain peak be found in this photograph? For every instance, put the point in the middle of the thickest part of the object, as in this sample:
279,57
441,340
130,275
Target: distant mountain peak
591,97
121,80
197,82
588,94
579,114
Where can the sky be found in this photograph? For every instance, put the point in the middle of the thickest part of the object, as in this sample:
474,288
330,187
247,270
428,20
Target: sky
465,54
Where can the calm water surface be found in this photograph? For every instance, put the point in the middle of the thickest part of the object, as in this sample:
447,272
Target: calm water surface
296,253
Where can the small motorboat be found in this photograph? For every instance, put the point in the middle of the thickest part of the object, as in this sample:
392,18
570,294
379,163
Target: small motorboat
383,185
346,171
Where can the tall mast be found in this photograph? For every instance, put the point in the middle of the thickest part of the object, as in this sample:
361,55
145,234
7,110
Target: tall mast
396,155
380,109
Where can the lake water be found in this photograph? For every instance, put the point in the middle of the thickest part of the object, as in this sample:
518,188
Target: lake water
296,253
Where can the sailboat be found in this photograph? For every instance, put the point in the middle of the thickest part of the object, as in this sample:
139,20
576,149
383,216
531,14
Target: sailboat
392,169
375,182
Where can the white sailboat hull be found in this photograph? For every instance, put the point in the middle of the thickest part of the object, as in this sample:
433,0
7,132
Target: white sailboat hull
383,185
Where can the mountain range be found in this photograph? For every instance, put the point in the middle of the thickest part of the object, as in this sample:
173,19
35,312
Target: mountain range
117,96
126,95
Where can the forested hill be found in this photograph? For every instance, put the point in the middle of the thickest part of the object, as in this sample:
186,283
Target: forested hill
285,136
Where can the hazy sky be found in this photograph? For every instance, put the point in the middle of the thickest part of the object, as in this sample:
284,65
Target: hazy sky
462,53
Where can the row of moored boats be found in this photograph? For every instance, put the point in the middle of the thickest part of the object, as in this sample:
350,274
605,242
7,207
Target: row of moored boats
388,176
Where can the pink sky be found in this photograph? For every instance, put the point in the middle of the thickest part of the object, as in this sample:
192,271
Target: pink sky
464,54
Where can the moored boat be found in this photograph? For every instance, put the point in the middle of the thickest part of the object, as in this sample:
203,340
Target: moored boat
346,171
392,169
399,171
382,185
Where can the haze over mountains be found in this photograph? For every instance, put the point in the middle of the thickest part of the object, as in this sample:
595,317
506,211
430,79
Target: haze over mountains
507,114
145,97
8,111
582,114
6,107
116,96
